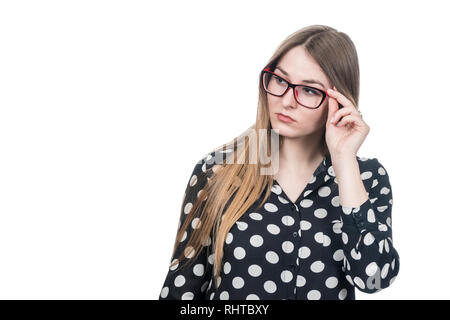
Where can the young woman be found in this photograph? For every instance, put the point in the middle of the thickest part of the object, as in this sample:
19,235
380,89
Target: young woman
316,228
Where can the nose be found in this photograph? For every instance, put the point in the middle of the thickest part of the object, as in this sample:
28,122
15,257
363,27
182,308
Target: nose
289,98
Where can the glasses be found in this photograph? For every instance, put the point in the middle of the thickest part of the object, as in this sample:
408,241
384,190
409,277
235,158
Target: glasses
306,96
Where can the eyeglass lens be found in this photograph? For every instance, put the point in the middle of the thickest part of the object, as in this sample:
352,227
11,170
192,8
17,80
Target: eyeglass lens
307,96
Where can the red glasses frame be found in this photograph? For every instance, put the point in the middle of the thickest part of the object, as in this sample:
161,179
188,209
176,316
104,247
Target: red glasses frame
290,85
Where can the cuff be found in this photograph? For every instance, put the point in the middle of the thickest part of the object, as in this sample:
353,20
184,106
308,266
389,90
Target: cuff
361,217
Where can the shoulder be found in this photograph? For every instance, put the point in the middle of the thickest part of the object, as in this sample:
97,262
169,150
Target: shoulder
373,172
372,165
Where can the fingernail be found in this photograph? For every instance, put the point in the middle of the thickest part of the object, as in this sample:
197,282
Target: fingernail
332,119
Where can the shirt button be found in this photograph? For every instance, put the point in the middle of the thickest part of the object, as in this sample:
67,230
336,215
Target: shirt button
294,234
360,224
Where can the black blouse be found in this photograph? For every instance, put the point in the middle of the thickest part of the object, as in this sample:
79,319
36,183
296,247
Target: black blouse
312,248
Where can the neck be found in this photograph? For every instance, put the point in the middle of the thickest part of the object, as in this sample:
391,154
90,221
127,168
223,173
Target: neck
301,153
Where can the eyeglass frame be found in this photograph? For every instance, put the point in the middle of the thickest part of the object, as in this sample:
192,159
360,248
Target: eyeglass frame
293,86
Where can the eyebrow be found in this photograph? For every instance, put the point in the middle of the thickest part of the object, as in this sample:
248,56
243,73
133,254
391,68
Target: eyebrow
306,80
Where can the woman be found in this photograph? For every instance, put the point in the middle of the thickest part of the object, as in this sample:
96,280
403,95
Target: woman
316,228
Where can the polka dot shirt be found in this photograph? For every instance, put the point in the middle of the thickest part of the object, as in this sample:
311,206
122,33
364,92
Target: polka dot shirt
312,248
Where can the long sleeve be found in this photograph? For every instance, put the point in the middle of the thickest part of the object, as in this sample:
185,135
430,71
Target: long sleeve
191,281
371,262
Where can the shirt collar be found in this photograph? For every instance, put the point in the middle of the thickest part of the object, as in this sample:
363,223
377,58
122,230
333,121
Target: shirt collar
324,165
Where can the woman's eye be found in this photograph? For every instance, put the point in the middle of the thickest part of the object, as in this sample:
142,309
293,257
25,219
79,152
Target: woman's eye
311,91
279,80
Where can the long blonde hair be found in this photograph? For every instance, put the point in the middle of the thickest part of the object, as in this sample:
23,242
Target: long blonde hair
241,182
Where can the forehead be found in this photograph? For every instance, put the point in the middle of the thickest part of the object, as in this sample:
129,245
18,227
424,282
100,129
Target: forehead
300,66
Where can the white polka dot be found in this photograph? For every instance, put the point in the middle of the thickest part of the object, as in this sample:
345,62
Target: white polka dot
273,229
366,175
358,281
349,279
382,227
319,237
344,237
239,253
207,242
301,281
187,296
371,269
255,216
282,200
179,281
320,213
317,266
193,180
226,268
371,215
287,246
338,255
224,295
211,296
241,225
252,297
331,282
343,294
337,227
189,252
326,240
276,189
196,223
306,203
272,257
254,270
199,270
256,240
368,239
286,276
270,207
304,252
270,286
305,225
229,238
324,191
385,270
313,295
184,236
187,208
287,220
164,292
175,265
355,255
238,282
211,258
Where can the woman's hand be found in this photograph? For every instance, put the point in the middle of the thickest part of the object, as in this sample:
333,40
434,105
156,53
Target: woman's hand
345,137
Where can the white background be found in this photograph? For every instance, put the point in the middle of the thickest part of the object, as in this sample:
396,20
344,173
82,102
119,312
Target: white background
106,106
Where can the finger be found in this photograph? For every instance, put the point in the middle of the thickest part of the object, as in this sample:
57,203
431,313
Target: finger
340,98
349,119
340,113
332,107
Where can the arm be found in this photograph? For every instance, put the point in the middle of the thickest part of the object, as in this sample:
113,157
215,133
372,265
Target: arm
191,281
370,260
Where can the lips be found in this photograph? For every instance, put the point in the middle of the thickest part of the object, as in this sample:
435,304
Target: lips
285,115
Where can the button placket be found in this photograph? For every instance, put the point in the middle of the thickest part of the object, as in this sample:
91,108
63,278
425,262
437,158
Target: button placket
359,220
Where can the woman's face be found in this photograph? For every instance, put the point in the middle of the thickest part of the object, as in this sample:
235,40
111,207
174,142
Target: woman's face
299,66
